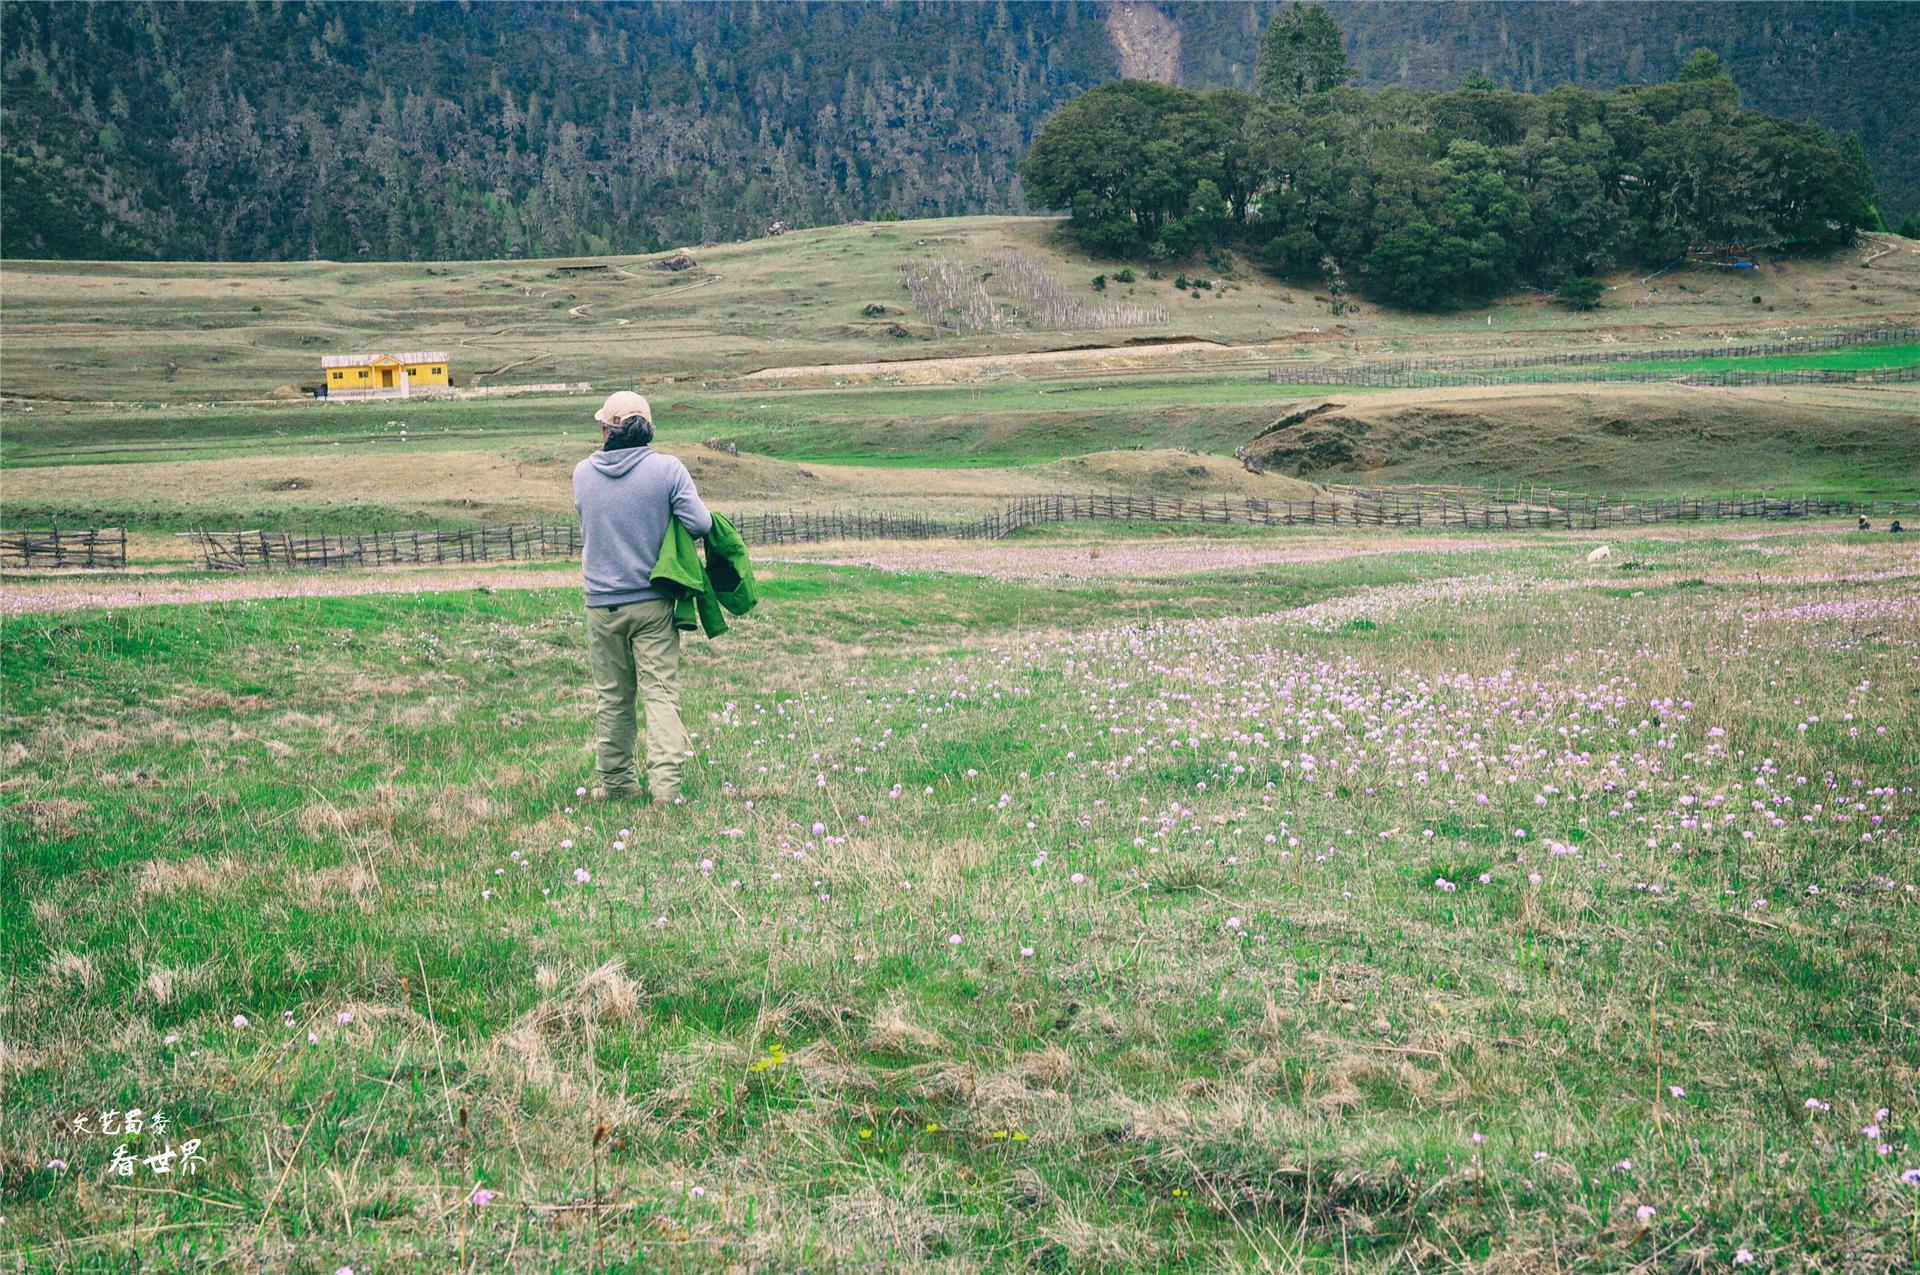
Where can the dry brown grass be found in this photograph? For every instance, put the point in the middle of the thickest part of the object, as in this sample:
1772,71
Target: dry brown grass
164,878
1173,473
379,811
353,880
51,817
894,1032
1089,1245
74,968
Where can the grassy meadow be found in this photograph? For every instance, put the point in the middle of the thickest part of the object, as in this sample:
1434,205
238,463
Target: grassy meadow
1271,901
1114,898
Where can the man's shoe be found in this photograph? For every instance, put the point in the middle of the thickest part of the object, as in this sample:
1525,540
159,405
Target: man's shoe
604,793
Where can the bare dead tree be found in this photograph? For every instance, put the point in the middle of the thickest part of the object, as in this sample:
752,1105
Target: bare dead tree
1043,301
1025,294
950,297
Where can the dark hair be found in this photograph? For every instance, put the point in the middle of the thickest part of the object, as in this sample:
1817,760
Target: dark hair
634,431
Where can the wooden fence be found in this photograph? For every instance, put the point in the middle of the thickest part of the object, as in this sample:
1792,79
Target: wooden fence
64,547
283,550
1464,508
1573,512
1467,370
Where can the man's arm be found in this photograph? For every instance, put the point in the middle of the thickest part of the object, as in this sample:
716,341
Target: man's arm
687,505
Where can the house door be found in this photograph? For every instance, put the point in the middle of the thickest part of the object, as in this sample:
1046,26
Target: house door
386,378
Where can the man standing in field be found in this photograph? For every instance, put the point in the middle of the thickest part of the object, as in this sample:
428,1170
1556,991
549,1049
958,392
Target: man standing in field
626,494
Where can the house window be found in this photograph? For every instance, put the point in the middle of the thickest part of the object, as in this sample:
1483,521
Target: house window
437,371
339,376
363,374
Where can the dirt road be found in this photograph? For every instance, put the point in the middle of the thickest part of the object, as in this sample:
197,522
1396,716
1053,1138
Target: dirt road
87,590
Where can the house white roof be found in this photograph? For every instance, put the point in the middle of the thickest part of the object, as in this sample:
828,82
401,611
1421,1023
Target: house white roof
362,360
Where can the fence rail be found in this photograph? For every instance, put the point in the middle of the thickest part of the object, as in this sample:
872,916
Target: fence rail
1467,370
1469,509
284,550
64,547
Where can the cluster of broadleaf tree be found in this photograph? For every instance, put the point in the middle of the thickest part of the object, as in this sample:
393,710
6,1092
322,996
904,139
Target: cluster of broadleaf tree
1437,200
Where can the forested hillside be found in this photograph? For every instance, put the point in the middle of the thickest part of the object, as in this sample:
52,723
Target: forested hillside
392,130
376,131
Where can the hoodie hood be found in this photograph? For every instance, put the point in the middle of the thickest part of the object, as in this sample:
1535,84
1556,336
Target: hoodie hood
619,464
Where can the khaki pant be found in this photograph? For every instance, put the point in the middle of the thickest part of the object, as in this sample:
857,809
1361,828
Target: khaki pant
636,648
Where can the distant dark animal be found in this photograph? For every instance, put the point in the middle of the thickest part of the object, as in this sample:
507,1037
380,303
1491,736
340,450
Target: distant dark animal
1896,528
1865,525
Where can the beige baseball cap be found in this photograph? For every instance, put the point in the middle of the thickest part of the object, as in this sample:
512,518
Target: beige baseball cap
622,404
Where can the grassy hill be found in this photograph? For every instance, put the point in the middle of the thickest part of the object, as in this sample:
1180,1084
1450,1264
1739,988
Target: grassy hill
806,353
1608,438
110,331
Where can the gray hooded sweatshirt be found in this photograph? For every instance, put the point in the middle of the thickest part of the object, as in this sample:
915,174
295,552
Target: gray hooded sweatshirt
625,499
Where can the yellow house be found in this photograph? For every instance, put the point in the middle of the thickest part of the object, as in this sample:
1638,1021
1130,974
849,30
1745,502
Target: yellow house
385,375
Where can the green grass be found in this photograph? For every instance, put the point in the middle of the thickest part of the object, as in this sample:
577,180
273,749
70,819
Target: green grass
293,807
1019,423
1852,358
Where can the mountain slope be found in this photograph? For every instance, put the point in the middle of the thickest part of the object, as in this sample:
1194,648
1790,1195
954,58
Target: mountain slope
418,132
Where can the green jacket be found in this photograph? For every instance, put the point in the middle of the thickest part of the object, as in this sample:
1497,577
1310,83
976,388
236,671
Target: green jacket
700,589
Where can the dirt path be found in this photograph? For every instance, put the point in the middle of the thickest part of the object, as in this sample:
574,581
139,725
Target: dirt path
1091,562
82,591
508,367
1828,561
968,366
